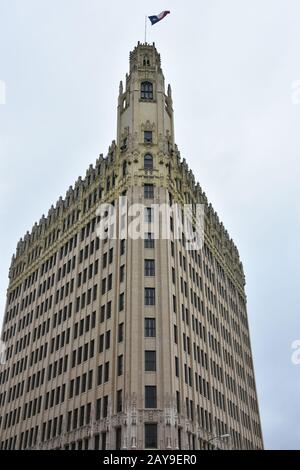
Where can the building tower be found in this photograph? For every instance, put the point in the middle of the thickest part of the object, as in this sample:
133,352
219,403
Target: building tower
128,343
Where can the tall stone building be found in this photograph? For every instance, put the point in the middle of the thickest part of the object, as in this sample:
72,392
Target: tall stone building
122,343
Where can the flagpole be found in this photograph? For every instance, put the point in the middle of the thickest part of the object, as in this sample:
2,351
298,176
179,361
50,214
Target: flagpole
145,29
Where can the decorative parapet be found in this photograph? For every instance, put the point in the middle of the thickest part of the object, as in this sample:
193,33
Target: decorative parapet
179,180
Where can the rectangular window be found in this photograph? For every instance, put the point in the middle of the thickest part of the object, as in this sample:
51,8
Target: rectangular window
107,340
150,436
150,360
150,327
149,240
118,438
150,396
147,137
119,401
106,372
176,367
102,314
108,310
122,247
120,365
149,296
104,261
122,273
149,267
109,284
105,406
148,191
98,409
148,214
120,332
101,343
121,302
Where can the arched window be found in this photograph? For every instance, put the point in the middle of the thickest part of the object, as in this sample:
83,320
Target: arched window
148,162
146,91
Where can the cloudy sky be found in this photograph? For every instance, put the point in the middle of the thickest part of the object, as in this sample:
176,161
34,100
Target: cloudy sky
232,66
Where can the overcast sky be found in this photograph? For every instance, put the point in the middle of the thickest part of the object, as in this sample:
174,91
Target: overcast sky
231,65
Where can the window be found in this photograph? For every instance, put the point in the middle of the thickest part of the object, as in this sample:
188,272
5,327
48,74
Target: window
149,240
101,343
150,436
176,366
102,314
119,401
146,60
121,302
150,396
122,247
148,162
149,296
105,406
120,332
108,310
146,91
106,372
148,214
148,191
149,267
148,137
118,438
178,401
122,273
107,340
150,327
150,361
109,283
120,365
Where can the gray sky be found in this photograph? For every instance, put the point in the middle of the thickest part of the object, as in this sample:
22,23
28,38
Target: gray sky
231,65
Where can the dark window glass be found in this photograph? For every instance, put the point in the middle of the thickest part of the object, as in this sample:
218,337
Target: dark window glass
148,137
150,327
148,162
149,240
121,302
120,365
118,438
149,267
120,332
148,213
119,401
150,436
122,273
122,247
150,396
150,360
148,191
146,91
149,296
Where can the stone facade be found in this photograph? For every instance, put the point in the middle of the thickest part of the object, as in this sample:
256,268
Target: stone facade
123,343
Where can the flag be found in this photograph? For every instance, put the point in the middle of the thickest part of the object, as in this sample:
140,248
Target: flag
156,18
